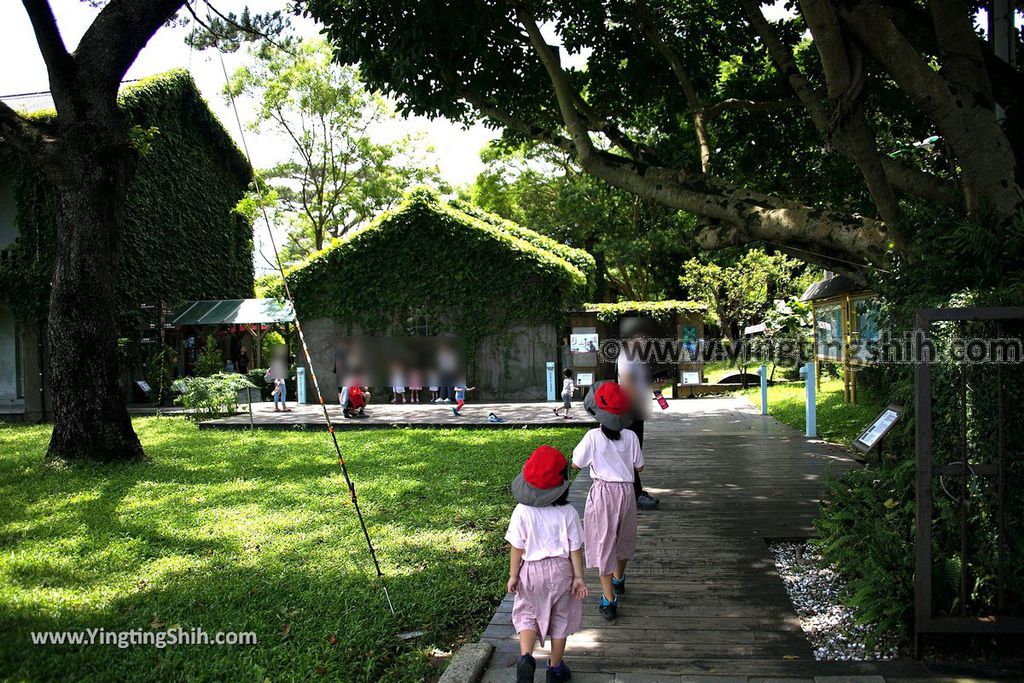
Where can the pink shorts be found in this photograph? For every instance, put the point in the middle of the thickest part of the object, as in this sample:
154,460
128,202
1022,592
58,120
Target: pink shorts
544,601
609,525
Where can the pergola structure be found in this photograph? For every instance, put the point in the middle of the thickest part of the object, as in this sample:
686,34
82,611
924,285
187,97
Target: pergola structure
255,316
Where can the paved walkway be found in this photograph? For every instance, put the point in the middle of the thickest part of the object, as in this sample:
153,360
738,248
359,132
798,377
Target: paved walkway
703,595
383,415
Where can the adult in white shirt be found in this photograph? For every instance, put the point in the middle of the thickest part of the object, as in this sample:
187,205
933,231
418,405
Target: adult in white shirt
634,377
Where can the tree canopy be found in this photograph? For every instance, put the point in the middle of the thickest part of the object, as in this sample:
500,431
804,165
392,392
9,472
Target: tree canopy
799,133
338,174
638,244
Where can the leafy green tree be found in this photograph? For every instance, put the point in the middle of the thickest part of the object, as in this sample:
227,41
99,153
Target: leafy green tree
796,133
337,176
741,291
637,244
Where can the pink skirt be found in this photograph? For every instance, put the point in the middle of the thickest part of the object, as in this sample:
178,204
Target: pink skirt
609,525
544,601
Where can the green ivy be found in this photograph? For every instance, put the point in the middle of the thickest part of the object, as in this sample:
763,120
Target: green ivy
471,277
662,311
182,239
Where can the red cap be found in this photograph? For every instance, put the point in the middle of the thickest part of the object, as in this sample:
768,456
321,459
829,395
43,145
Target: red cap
611,398
545,468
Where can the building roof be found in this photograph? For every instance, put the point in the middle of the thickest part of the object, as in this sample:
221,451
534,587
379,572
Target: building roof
234,312
429,256
831,287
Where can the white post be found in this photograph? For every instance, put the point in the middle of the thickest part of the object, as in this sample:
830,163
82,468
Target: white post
764,389
811,412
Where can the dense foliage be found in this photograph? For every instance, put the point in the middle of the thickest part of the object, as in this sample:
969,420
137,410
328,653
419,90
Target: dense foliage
203,397
637,244
795,124
338,173
429,259
658,310
867,523
741,289
182,239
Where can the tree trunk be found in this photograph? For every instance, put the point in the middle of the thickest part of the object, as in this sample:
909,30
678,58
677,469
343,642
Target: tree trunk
89,407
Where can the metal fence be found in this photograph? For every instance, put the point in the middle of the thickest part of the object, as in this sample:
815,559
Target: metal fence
970,449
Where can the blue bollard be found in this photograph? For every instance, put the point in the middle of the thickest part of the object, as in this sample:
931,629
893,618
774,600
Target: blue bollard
811,413
764,389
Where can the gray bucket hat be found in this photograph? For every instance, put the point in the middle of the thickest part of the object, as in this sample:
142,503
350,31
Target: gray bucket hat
548,465
610,405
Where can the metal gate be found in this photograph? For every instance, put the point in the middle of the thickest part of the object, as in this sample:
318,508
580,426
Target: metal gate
967,475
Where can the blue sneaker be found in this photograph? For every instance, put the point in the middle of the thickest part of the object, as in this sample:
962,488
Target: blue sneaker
609,610
619,585
455,412
559,674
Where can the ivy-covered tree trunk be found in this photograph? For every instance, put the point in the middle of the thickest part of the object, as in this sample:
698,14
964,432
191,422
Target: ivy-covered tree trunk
91,418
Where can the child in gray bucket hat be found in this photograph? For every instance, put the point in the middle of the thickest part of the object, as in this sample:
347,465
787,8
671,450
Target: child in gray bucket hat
613,455
546,562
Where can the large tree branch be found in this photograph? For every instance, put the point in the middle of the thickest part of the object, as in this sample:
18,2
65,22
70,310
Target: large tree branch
59,65
860,239
848,128
30,139
905,178
117,35
969,127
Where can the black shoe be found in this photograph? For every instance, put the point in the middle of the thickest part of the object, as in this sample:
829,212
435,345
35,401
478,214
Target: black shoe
525,666
558,674
619,586
609,611
645,502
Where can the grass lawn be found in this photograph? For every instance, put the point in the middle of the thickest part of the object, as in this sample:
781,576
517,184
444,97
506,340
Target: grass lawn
255,532
838,421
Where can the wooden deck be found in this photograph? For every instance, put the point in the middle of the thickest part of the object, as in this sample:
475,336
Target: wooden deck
703,596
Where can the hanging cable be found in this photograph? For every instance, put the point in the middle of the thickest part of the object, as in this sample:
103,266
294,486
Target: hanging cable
305,349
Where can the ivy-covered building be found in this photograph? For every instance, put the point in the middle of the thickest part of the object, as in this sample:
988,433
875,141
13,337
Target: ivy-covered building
434,268
182,237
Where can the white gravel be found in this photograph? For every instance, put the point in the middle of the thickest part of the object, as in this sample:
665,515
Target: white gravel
815,589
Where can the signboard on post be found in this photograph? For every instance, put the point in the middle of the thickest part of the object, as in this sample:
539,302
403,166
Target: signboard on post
877,430
550,368
583,343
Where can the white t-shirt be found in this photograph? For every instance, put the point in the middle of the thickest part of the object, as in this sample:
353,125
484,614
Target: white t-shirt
640,392
609,460
568,386
549,531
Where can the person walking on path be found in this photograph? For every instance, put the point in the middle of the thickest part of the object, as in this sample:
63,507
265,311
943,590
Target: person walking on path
613,454
279,374
243,361
568,389
545,563
633,376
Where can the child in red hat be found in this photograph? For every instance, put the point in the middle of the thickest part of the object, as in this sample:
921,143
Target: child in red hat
546,562
613,454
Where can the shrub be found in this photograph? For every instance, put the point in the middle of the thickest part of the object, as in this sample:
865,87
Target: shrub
210,396
867,530
210,360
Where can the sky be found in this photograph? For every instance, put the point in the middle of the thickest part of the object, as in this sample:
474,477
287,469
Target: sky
457,149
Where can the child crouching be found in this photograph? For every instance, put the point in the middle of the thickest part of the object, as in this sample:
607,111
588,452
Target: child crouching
546,562
613,454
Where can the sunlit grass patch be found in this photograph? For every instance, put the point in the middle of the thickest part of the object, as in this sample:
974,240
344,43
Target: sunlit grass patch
239,531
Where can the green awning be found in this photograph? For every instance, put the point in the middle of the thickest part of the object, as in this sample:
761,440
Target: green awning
234,312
